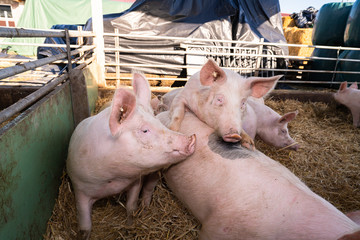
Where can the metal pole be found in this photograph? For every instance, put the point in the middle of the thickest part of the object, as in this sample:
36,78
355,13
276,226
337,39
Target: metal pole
117,59
22,32
68,50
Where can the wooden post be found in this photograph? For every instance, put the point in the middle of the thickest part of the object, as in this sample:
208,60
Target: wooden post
98,29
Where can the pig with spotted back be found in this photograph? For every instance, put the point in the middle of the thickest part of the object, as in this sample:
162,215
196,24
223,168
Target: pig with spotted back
218,97
263,121
350,97
111,151
236,193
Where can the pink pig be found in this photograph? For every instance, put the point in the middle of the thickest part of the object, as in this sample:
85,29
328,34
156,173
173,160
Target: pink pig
350,97
236,193
218,97
263,121
111,151
257,119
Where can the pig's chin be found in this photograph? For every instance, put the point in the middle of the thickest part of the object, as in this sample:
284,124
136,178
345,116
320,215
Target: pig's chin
233,137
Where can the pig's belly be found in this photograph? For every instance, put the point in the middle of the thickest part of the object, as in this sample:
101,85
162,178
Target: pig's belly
106,188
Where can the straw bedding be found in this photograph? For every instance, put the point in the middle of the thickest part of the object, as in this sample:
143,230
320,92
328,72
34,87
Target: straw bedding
328,162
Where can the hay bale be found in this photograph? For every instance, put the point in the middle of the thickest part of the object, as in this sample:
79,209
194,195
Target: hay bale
288,22
328,162
168,83
299,36
125,79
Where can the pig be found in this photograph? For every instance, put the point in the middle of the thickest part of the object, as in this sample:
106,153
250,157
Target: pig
258,119
350,97
263,121
111,151
218,97
158,105
237,193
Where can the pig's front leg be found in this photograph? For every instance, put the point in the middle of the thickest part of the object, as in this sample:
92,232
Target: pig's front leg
83,206
177,112
132,197
247,141
150,182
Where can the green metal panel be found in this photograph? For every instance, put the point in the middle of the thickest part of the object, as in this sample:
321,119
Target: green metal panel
33,150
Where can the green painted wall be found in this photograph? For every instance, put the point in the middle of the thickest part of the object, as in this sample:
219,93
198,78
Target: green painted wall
33,150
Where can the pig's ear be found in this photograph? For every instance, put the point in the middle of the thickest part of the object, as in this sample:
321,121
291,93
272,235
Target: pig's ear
123,106
261,86
211,73
288,117
141,88
354,85
343,86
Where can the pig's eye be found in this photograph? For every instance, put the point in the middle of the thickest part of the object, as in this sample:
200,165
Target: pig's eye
145,129
283,131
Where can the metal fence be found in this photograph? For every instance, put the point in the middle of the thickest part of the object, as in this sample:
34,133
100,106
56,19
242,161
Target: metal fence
251,58
80,55
247,58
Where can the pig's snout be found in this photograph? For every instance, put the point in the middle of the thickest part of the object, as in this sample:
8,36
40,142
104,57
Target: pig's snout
290,146
187,147
295,147
232,136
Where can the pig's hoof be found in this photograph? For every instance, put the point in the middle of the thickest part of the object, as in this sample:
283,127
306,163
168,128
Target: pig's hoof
248,145
130,220
145,203
174,126
83,235
247,141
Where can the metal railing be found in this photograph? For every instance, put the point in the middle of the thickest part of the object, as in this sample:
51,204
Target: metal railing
68,57
248,58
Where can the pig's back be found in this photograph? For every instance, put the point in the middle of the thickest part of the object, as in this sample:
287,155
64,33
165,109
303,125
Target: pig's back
237,192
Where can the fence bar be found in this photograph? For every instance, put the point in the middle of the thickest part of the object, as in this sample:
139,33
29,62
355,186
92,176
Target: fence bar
30,99
7,72
177,52
202,40
232,68
39,44
22,32
35,96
